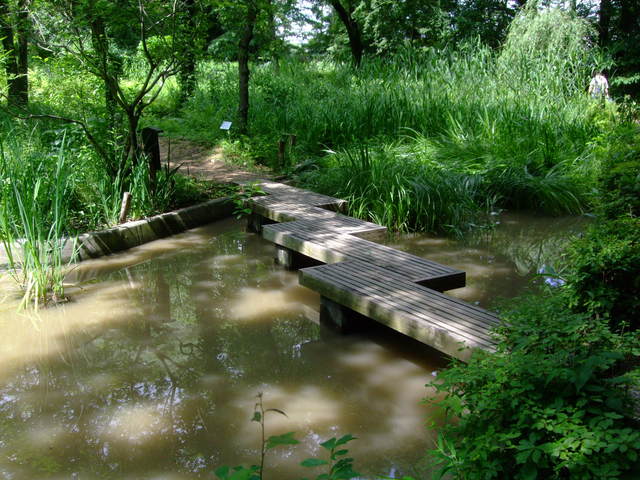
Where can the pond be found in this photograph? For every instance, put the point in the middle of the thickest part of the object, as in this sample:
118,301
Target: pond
152,370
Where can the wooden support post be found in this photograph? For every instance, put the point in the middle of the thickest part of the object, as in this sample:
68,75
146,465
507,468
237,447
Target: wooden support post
340,318
282,145
151,147
254,223
124,209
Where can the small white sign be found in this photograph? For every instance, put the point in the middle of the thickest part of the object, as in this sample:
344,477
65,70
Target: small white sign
225,125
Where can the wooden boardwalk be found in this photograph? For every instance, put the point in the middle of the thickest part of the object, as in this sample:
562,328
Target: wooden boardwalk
363,278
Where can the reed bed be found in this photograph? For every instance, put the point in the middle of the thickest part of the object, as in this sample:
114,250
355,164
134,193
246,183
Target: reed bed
425,140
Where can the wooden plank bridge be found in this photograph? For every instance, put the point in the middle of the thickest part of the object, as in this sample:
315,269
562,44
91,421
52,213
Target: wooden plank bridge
357,277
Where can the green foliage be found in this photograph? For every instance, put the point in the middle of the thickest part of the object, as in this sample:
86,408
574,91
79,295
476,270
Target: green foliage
457,111
340,466
402,191
35,205
604,280
619,181
550,403
548,50
240,196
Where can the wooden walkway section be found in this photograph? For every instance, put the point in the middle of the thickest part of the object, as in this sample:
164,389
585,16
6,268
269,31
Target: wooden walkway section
363,278
443,322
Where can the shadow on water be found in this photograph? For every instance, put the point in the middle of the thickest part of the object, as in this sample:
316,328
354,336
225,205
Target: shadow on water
152,370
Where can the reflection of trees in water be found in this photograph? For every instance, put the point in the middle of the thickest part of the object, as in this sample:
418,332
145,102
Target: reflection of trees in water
85,406
531,243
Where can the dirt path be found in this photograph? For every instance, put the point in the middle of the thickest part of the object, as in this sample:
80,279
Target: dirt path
205,162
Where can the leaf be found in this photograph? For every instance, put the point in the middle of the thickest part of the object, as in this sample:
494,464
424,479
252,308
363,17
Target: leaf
222,472
313,462
277,411
329,444
285,439
344,439
339,453
257,416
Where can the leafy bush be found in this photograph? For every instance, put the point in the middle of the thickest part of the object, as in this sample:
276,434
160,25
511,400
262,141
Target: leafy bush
548,404
604,281
619,182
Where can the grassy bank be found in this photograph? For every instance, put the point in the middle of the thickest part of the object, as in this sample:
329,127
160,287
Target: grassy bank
425,140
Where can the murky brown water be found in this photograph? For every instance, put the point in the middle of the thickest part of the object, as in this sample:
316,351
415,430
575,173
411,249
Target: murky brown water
152,371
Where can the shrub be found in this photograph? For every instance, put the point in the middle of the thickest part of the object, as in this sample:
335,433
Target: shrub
546,405
619,182
604,280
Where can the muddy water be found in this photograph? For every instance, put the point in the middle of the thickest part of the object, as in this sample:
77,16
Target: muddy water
152,371
502,262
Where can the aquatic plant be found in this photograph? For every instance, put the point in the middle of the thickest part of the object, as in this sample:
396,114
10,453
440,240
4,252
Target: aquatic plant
338,465
35,204
478,132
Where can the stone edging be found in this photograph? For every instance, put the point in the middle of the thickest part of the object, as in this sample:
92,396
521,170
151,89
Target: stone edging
133,234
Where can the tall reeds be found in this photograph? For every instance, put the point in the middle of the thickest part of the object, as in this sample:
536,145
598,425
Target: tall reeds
35,203
468,124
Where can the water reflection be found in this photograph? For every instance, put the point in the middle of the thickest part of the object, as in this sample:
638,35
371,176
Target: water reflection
152,370
501,262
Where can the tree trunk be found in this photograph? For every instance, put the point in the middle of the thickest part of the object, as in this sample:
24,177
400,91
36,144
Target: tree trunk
187,74
15,62
243,66
22,34
353,31
604,22
132,146
101,47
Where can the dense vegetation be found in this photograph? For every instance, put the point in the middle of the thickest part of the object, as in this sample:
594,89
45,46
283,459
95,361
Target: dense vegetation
559,398
424,115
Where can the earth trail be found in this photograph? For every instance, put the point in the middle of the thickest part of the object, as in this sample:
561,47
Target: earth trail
205,162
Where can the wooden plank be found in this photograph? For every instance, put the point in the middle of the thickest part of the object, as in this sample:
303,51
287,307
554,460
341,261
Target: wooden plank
474,317
331,226
424,314
374,273
285,211
420,330
283,191
390,297
339,248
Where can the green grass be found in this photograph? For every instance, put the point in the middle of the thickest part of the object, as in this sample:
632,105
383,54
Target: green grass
448,134
424,140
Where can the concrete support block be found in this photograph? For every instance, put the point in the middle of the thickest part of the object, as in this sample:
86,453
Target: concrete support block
255,221
340,318
292,260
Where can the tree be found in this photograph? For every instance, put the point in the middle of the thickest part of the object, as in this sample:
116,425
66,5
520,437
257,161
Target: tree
345,9
618,24
392,24
251,15
251,28
201,25
14,31
94,33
